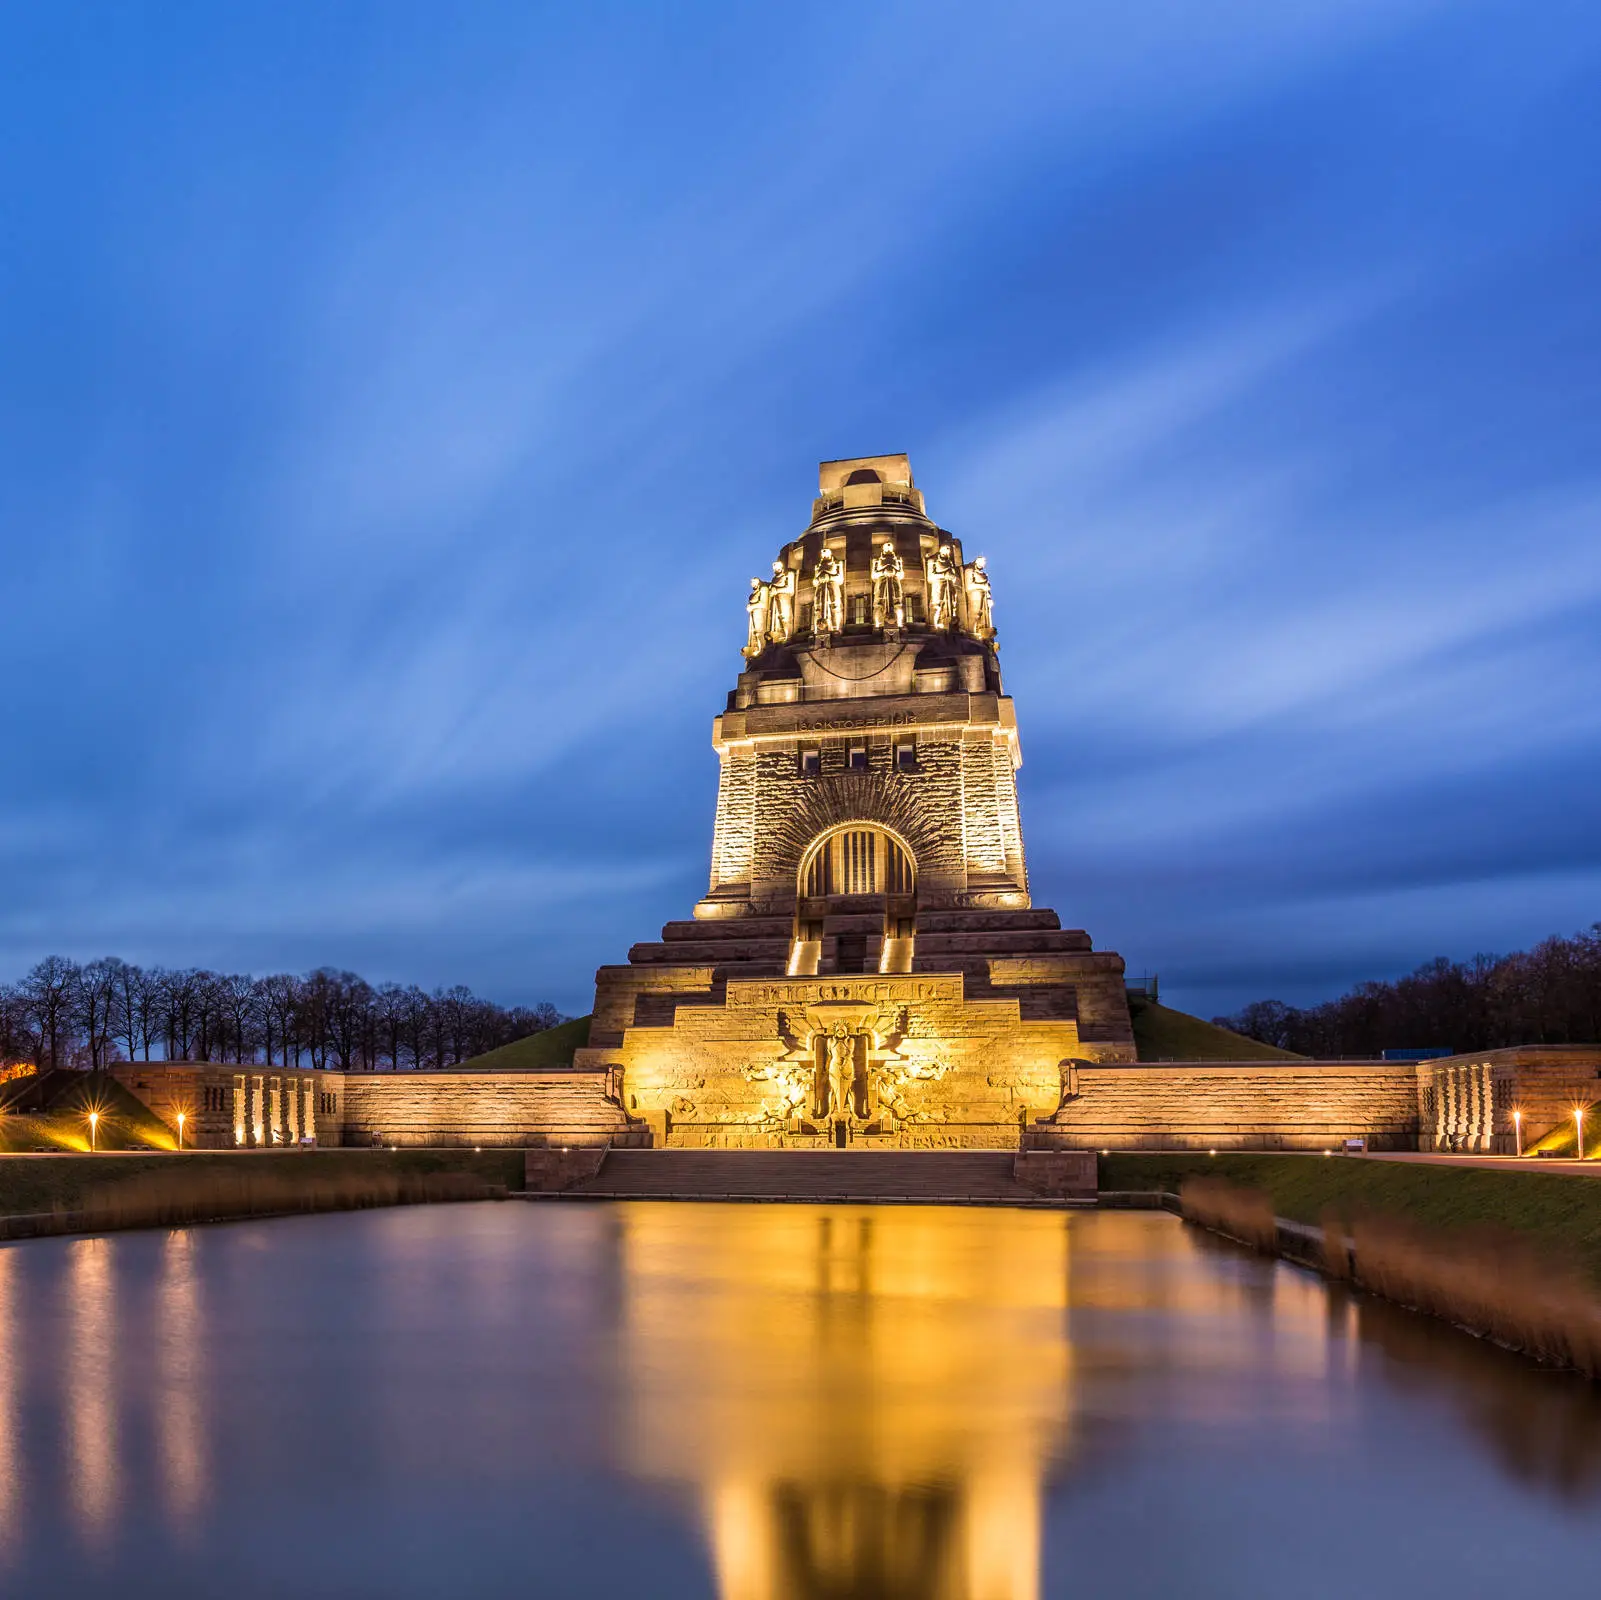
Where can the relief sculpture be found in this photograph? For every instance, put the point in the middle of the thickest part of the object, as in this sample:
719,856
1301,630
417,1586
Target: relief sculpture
843,1067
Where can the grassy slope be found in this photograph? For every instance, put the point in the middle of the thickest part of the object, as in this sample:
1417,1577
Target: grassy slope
45,1183
1562,1140
126,1123
1562,1211
552,1048
1163,1033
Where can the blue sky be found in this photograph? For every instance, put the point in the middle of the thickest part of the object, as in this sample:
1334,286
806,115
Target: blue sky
395,400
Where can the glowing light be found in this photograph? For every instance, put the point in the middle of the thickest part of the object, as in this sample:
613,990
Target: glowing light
94,1125
257,1132
1517,1128
238,1133
1211,1152
181,1120
1578,1125
1328,1152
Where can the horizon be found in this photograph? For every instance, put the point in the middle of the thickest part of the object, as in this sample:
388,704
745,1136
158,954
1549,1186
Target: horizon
381,482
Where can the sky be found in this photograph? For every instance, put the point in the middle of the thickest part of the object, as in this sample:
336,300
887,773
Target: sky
395,400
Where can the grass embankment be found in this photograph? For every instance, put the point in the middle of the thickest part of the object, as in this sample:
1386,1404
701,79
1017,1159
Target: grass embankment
266,1180
1163,1034
552,1048
1563,1139
1559,1213
124,1122
1493,1281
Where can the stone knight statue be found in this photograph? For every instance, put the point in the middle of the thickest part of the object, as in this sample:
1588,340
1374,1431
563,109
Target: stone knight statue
756,615
781,604
841,1074
944,578
888,603
979,598
828,591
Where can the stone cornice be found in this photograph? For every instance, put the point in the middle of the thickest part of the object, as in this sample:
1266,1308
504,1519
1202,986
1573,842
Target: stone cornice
882,714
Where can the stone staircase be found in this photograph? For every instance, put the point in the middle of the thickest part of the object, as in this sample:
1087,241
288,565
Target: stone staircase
963,1177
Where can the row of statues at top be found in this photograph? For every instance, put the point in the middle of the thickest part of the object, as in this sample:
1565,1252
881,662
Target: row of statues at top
771,606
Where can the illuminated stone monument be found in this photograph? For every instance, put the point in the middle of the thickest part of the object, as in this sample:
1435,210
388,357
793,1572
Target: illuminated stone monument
867,967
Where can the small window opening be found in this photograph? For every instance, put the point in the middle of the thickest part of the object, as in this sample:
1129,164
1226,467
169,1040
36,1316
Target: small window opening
860,613
906,755
811,761
858,758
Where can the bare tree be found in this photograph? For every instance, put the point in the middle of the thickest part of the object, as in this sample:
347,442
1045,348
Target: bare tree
48,992
280,999
62,1014
17,1042
95,1007
236,998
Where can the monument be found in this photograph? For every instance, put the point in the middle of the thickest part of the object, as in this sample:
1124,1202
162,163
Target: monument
867,967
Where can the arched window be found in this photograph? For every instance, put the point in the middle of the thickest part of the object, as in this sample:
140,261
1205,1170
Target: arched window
859,860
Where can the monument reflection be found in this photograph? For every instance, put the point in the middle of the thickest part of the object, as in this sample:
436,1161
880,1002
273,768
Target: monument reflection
866,1399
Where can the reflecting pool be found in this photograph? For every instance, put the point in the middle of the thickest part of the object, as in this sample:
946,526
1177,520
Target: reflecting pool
759,1402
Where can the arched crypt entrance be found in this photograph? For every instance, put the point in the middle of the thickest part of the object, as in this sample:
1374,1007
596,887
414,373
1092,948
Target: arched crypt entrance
855,903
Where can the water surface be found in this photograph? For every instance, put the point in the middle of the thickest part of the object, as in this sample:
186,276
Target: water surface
758,1403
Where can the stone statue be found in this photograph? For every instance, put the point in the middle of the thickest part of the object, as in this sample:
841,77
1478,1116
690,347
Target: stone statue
756,613
841,1074
828,594
793,1084
781,604
944,578
979,599
888,602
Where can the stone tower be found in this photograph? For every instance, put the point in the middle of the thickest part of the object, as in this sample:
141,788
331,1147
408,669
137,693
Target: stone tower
866,966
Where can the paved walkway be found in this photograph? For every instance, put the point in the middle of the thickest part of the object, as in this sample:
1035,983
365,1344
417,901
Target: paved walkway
932,1177
1586,1169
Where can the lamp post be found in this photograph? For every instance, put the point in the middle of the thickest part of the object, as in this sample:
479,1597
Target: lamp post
180,1130
1578,1124
1517,1130
94,1124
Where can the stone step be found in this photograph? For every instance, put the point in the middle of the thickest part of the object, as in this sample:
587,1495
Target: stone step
961,1175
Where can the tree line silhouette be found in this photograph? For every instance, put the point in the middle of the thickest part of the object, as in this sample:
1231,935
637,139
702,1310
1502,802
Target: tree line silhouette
1548,995
63,1014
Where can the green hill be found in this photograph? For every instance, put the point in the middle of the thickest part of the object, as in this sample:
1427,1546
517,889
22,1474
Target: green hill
1163,1034
552,1048
50,1111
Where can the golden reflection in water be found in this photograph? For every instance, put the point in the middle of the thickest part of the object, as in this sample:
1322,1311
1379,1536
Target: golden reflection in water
11,1381
180,1390
89,1378
867,1398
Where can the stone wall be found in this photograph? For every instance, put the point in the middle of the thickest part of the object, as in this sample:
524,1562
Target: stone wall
480,1108
1468,1102
974,1073
1236,1105
226,1107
